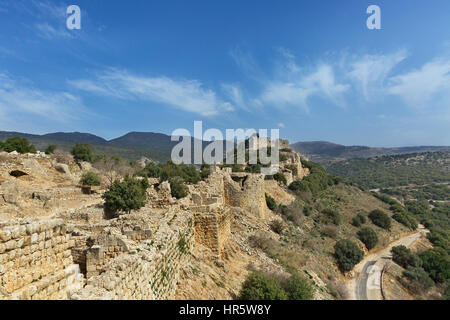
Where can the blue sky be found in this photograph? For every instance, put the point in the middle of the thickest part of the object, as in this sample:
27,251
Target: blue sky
310,68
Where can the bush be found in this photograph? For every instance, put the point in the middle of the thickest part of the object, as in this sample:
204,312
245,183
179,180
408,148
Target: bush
271,204
21,145
380,219
359,220
347,254
50,149
178,188
277,226
205,171
307,211
82,152
406,219
330,216
259,286
293,212
62,156
404,257
436,262
280,178
298,288
317,181
420,280
90,179
129,194
369,237
330,231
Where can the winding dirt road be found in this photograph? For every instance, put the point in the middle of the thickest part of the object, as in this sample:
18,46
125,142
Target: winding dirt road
366,284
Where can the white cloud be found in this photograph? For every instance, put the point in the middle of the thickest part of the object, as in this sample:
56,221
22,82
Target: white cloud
45,30
187,95
370,71
320,82
281,125
424,87
19,101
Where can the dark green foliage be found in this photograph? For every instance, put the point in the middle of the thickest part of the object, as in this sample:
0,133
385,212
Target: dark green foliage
205,171
394,170
165,171
285,150
347,254
404,257
280,177
50,149
83,152
259,286
271,204
298,288
369,237
380,219
359,220
436,262
384,198
178,188
420,280
124,196
317,181
90,179
329,215
307,211
21,145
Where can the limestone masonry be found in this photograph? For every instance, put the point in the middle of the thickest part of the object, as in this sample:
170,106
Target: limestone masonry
58,243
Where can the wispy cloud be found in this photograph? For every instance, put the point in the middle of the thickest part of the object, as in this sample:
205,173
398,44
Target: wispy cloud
21,102
47,31
419,88
186,95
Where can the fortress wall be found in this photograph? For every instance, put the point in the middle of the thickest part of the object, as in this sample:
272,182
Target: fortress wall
36,261
148,272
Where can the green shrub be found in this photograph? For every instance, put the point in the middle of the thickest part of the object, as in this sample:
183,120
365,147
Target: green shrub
271,204
90,179
21,145
347,254
298,288
404,257
359,220
380,219
280,178
420,280
259,286
436,262
129,194
330,216
50,149
293,212
178,188
317,181
82,152
307,210
369,237
205,171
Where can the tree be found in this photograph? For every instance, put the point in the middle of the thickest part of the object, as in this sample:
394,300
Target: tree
90,179
113,167
82,152
347,254
436,262
380,219
21,145
259,286
129,194
178,188
271,204
403,256
369,237
419,280
298,288
358,220
50,149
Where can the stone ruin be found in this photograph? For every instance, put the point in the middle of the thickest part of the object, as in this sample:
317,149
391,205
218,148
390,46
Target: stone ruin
81,253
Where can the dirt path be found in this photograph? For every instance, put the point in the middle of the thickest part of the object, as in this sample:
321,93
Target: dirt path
366,283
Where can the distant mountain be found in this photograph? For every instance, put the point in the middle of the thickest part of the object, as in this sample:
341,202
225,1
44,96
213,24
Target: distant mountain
75,137
323,151
151,140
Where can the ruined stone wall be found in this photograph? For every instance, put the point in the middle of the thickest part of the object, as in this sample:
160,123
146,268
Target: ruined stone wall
36,261
213,230
246,190
150,271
